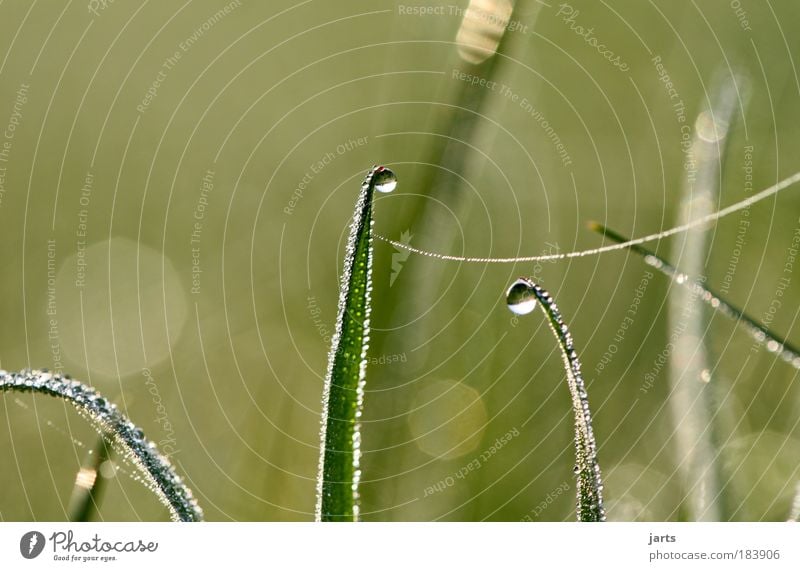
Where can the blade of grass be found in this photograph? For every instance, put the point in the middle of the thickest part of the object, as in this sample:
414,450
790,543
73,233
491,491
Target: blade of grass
522,297
89,483
449,160
343,394
771,341
106,418
696,425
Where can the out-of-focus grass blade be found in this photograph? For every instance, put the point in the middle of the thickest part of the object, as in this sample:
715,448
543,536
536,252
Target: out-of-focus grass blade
772,342
522,298
484,48
343,394
89,483
696,426
794,513
160,475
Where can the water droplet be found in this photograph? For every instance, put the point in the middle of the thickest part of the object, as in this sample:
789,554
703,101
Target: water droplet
520,298
705,375
384,179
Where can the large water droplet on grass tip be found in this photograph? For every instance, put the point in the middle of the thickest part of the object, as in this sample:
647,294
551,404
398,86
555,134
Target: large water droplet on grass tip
520,298
384,180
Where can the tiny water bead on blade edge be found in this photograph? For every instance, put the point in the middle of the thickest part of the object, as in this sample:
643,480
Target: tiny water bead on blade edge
520,297
384,180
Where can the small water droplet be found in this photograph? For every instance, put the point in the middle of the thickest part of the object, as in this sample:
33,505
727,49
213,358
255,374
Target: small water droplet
384,179
520,298
705,375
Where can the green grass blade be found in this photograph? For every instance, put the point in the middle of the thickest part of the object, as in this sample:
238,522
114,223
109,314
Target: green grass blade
522,298
106,418
343,394
771,341
89,483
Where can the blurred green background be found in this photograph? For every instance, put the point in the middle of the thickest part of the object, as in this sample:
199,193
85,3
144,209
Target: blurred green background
177,189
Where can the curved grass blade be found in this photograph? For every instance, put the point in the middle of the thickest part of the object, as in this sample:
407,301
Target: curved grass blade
89,483
107,418
343,393
522,298
772,342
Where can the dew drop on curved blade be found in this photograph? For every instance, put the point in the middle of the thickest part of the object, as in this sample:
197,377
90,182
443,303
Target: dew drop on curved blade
520,298
385,180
